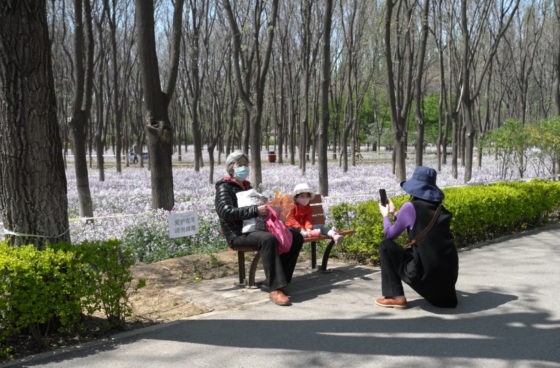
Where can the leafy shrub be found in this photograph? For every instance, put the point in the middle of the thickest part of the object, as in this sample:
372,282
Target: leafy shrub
105,278
149,241
38,287
42,290
365,218
480,213
486,212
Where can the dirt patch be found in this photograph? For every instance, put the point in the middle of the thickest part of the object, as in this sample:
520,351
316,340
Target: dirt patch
150,300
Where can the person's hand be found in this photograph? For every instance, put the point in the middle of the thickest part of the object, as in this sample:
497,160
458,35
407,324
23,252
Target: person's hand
391,206
384,210
263,211
314,232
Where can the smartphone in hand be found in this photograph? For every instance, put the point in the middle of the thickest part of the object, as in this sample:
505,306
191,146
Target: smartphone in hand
383,197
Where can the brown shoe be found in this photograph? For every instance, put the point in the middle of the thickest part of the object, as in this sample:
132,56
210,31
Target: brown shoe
391,302
279,298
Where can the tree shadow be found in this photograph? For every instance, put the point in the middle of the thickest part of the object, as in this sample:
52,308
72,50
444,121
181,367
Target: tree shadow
476,329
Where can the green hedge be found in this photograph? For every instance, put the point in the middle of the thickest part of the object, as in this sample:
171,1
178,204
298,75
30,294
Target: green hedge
480,213
51,289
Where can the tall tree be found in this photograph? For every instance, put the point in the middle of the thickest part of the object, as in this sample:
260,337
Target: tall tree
248,59
495,26
323,136
399,62
419,84
198,15
83,79
353,20
33,196
557,59
307,63
111,12
100,105
156,102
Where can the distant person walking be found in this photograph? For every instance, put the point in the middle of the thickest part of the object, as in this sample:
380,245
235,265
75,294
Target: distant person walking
430,264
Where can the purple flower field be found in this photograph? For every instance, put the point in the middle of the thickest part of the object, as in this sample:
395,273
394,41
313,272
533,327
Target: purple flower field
123,200
122,203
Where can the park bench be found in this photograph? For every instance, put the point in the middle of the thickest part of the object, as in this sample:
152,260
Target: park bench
317,219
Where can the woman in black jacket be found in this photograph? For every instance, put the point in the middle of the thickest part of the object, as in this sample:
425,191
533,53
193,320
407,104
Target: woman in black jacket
277,268
431,265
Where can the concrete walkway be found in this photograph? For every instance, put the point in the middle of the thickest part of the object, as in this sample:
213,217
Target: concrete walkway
508,316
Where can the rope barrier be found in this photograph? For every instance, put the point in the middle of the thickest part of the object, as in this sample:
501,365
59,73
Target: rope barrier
13,233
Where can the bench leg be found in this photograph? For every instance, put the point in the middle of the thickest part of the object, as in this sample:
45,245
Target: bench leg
241,267
253,269
313,255
326,256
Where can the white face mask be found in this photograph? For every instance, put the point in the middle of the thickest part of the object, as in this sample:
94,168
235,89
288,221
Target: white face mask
303,201
241,172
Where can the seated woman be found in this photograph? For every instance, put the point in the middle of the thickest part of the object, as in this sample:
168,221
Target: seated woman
431,265
277,268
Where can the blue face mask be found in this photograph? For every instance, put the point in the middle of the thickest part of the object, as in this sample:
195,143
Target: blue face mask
241,172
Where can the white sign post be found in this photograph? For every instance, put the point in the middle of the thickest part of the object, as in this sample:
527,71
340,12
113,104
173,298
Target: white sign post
182,224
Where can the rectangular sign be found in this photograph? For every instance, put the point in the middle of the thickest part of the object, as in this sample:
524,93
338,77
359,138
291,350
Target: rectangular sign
182,224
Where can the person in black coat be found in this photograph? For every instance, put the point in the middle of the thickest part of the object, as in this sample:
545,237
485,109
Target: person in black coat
431,265
277,268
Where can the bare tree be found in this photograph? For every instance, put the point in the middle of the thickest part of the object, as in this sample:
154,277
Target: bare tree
158,126
399,76
198,15
323,136
419,84
557,59
249,59
83,88
357,80
111,12
33,198
471,49
100,105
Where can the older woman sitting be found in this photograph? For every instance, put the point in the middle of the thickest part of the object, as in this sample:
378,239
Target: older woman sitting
278,268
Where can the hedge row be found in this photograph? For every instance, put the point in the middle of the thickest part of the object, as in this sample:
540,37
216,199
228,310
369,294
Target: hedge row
53,288
480,213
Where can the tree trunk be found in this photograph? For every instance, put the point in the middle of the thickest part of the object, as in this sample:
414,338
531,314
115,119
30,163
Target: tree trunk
82,101
323,139
557,63
418,113
117,106
195,80
159,129
100,107
33,182
246,78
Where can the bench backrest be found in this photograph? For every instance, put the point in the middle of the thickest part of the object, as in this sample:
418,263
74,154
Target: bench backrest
318,212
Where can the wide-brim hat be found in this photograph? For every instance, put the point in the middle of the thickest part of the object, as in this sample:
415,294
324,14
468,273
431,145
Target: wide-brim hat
423,185
302,188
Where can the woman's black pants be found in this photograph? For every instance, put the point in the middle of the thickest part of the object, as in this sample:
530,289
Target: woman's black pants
278,268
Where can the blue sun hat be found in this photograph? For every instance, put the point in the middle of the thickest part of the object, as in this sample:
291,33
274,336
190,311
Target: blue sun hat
423,185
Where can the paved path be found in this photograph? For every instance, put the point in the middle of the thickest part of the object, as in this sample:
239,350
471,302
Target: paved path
508,316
